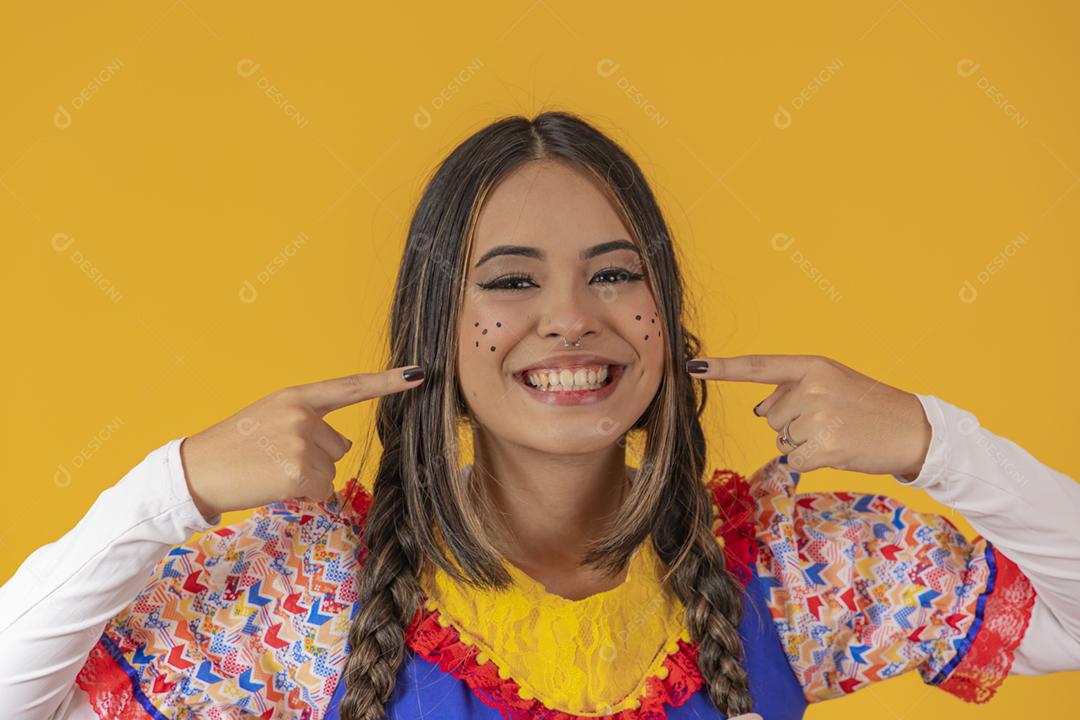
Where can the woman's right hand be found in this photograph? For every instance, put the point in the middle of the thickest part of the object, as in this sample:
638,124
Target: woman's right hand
278,447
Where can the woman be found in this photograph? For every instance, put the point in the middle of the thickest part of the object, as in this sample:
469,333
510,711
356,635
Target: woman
539,308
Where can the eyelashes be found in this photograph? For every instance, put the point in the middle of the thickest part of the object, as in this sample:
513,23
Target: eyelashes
505,282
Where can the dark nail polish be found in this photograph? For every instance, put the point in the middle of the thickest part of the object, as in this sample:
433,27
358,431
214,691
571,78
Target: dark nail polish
696,366
416,373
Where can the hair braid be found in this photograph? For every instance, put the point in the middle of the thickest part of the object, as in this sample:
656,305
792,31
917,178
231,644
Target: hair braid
389,597
714,610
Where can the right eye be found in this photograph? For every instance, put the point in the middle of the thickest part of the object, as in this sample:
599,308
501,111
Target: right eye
507,282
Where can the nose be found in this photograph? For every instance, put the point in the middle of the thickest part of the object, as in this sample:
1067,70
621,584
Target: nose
568,314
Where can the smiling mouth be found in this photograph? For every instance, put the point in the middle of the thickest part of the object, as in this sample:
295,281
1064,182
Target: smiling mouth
572,381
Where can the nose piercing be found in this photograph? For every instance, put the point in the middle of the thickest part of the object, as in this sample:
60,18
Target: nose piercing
577,343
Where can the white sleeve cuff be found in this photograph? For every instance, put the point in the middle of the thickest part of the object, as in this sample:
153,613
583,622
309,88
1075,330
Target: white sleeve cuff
181,492
939,453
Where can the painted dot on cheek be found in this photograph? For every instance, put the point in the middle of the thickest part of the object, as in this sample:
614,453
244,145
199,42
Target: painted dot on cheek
476,324
498,324
637,317
485,332
492,348
477,343
646,337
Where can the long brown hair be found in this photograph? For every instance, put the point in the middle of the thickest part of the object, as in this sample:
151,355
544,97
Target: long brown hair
422,500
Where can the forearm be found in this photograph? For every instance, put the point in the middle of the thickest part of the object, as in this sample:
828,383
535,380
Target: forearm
53,609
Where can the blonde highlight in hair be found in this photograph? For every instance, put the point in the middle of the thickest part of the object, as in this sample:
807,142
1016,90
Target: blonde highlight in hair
427,513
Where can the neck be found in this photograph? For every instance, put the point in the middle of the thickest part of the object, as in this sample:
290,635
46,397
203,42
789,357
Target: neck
551,505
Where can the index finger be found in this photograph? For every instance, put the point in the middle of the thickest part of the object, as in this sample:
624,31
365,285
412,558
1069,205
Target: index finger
325,396
772,369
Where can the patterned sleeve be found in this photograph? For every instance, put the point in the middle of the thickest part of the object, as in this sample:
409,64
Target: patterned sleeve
863,588
245,620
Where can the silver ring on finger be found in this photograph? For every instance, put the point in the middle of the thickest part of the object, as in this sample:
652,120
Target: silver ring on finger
784,438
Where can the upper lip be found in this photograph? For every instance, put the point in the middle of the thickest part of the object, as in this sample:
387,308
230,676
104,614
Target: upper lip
567,360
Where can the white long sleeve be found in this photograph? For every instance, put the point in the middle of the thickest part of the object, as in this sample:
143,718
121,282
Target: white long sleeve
1029,511
55,607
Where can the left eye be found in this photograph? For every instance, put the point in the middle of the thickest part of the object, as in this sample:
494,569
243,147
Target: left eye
620,274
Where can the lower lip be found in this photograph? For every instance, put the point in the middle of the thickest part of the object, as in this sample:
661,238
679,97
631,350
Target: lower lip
575,397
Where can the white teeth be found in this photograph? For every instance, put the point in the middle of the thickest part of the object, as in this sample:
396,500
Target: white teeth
563,379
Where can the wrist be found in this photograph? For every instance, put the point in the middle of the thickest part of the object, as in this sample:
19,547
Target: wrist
921,442
202,504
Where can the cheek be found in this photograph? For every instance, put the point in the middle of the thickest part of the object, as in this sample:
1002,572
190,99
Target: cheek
644,327
482,336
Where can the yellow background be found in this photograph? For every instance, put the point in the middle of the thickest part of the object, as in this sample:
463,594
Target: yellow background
209,151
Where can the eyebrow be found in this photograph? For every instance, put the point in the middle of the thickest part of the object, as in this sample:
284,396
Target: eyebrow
538,254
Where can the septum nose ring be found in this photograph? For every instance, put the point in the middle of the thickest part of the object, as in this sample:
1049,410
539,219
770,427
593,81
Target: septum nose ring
576,343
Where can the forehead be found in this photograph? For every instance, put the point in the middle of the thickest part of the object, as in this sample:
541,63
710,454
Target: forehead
549,204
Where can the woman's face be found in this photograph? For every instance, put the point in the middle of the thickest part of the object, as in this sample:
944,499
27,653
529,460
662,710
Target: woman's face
552,259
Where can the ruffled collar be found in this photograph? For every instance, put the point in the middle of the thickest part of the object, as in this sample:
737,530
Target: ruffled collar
624,650
582,657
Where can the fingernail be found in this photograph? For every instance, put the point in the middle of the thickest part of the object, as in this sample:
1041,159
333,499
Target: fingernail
414,373
756,408
697,366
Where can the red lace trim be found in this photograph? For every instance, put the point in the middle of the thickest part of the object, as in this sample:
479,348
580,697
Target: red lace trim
443,646
109,687
735,508
1005,620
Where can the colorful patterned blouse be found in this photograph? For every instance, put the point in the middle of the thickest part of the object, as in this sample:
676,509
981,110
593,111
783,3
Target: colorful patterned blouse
841,590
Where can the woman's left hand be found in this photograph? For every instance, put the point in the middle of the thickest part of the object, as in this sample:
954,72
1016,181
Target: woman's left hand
828,415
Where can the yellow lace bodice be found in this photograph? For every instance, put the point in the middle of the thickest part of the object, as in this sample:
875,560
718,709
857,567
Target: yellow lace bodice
586,657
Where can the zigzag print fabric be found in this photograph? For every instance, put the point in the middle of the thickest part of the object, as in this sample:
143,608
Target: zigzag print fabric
247,620
863,588
251,620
